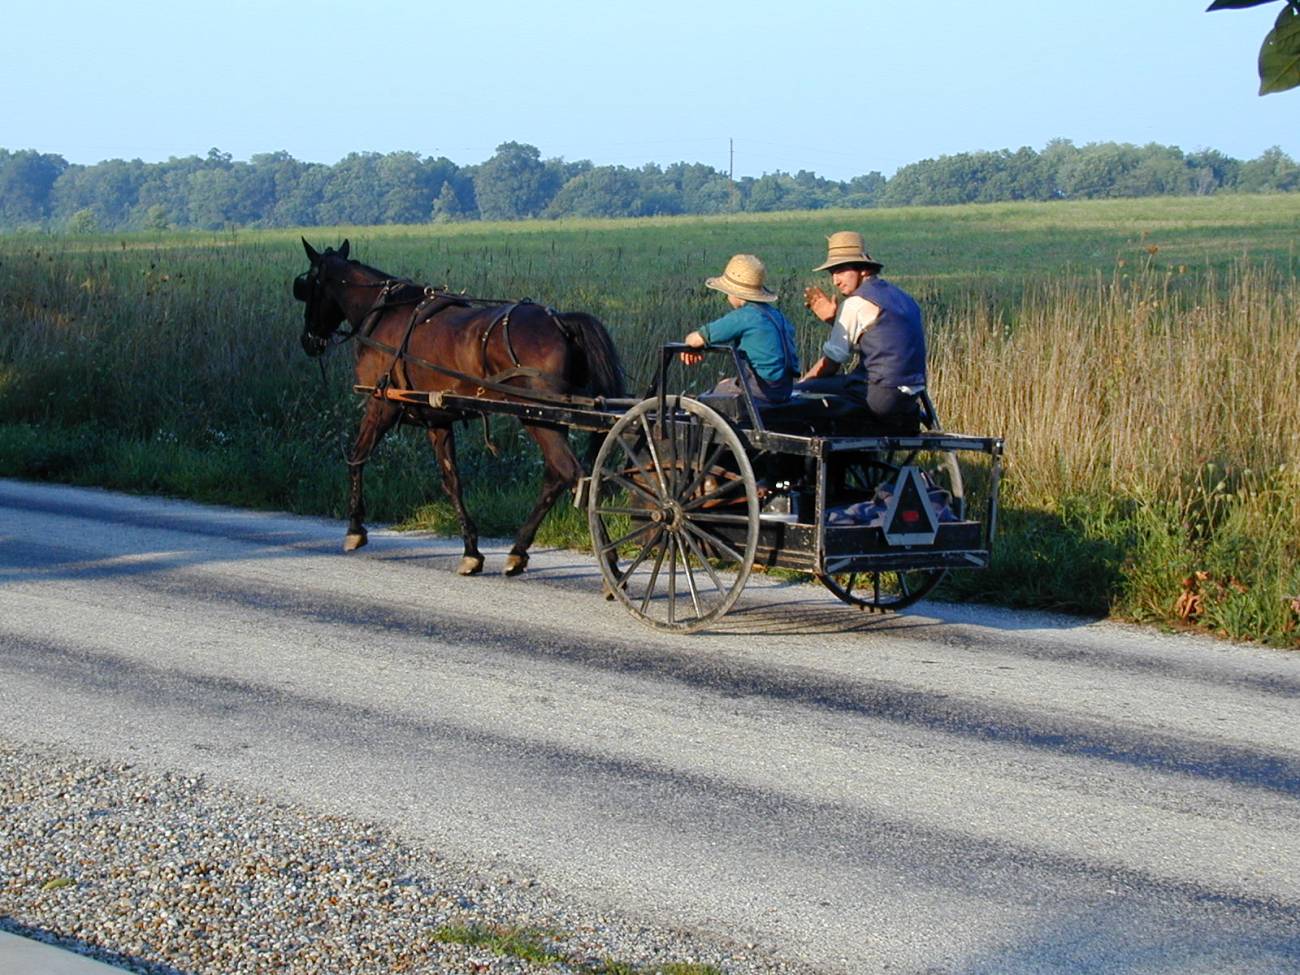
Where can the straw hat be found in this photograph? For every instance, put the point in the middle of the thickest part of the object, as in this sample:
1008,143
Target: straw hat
846,247
743,277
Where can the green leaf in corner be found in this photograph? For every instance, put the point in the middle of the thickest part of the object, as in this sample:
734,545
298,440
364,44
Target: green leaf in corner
1279,58
1235,4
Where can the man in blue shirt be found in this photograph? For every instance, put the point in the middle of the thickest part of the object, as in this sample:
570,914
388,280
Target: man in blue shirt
762,334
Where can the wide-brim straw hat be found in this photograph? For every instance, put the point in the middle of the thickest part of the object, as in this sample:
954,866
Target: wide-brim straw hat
743,277
846,247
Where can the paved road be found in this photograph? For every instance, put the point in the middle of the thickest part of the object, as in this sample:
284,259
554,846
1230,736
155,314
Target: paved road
955,789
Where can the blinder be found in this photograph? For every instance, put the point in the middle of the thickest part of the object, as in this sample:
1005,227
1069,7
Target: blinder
302,286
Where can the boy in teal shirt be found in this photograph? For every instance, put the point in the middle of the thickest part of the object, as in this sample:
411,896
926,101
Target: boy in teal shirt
754,326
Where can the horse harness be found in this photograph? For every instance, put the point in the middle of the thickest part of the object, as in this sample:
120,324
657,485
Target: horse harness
432,300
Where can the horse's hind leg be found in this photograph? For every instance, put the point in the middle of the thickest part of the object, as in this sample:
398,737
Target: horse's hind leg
562,471
378,419
444,446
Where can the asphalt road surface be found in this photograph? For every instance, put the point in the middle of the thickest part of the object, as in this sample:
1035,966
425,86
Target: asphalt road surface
954,789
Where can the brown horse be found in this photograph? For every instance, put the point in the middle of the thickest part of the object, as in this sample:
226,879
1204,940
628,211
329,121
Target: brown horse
412,337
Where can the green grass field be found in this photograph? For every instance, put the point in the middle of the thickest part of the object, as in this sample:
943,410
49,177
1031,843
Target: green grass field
1140,356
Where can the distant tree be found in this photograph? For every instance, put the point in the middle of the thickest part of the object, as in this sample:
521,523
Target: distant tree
443,170
83,222
769,193
1159,171
157,217
353,194
110,189
298,200
605,191
447,207
864,191
703,189
407,196
167,185
27,178
660,196
1279,57
1212,171
1273,172
1056,155
514,183
1096,170
210,199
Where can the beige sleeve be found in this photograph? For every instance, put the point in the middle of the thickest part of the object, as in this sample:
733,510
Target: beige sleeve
857,315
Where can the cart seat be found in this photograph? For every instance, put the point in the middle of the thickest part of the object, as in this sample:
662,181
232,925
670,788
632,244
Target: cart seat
823,414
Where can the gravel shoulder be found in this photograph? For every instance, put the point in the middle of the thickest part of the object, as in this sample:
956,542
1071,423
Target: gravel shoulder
167,873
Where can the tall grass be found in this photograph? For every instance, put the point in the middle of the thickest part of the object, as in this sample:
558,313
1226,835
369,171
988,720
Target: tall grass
1140,357
1157,414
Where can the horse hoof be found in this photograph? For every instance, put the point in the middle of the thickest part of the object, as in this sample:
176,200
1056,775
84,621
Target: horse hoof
470,565
516,564
354,541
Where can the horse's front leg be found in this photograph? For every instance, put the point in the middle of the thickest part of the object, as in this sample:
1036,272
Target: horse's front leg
562,471
444,446
378,419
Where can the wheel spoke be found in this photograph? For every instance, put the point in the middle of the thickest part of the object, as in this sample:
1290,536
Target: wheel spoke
714,541
708,567
672,579
654,456
726,487
654,575
717,516
675,473
629,512
704,470
632,486
633,451
617,543
690,576
645,550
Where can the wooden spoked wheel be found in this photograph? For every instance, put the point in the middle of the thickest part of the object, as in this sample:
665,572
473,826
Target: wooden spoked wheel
889,590
673,499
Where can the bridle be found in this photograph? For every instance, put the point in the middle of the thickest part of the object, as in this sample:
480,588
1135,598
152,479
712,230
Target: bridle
307,289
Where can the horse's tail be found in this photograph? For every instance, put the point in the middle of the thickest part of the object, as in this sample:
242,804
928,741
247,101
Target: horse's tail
604,373
604,369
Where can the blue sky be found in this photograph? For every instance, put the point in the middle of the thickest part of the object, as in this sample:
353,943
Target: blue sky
840,88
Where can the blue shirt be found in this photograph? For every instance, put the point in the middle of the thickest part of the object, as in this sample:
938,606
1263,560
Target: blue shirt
763,334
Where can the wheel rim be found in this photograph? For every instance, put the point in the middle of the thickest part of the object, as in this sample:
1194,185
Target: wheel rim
883,592
886,591
673,498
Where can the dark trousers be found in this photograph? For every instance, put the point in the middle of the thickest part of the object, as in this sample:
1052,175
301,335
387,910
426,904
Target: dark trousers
886,406
762,391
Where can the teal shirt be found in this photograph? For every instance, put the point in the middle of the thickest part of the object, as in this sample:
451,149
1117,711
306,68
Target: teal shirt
763,334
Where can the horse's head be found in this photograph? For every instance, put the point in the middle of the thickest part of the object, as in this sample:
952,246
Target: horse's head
314,288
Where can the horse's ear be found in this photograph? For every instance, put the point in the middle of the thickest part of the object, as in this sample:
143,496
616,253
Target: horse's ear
312,254
343,249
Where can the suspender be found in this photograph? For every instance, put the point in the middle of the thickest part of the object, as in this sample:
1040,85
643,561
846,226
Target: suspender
787,348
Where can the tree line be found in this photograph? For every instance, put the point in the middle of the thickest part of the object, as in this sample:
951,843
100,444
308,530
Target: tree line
42,191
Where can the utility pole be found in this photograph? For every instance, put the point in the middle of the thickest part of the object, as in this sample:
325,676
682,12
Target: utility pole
731,171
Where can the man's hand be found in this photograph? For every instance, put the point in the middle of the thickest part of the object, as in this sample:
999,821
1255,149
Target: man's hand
692,358
819,303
